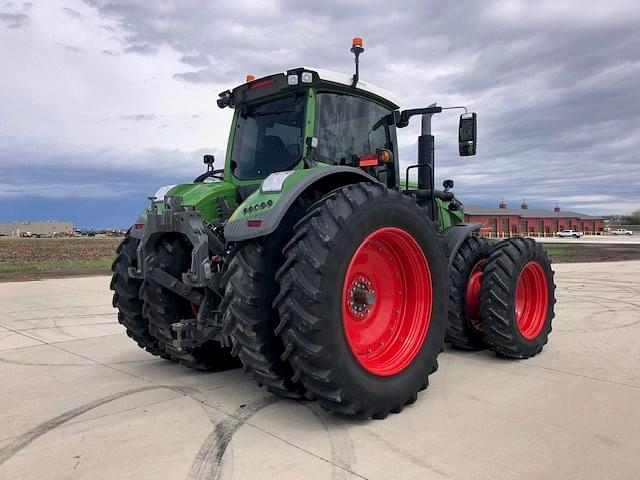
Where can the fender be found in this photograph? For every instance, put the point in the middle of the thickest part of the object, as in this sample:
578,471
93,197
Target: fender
454,236
261,213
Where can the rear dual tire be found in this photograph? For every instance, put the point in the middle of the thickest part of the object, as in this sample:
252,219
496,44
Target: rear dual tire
465,330
517,298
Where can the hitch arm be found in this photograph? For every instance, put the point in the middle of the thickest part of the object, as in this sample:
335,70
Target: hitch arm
163,278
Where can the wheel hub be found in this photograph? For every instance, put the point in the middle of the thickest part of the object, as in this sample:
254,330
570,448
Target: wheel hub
386,303
361,297
532,300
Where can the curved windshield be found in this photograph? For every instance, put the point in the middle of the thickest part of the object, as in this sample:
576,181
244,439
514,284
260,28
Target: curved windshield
268,137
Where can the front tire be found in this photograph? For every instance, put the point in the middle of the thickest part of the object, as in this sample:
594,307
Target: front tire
163,308
363,301
126,298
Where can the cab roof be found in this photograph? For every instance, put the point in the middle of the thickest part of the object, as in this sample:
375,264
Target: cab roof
273,84
343,79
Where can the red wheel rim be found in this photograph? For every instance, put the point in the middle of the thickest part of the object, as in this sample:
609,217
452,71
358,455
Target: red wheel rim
532,300
386,301
472,297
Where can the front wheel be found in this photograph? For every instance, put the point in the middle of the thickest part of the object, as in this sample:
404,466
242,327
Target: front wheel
126,298
363,301
163,308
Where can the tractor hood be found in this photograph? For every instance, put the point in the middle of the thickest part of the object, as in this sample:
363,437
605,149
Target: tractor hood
204,196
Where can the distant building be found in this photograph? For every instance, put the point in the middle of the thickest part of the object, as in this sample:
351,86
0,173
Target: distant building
529,221
47,228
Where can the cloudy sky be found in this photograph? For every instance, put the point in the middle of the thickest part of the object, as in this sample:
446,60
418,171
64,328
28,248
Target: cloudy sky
103,101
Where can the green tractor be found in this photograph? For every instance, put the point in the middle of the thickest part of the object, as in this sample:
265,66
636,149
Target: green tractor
313,261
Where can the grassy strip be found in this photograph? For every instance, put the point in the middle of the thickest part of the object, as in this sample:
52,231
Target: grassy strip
56,265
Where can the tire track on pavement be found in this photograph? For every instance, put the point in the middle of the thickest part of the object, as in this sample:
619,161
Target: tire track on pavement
209,459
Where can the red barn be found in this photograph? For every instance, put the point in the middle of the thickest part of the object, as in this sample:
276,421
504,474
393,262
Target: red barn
529,221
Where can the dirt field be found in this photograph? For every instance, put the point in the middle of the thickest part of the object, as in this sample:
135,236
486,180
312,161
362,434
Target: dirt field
34,258
587,253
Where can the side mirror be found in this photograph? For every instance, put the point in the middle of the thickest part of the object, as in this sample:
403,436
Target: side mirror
448,185
208,159
467,134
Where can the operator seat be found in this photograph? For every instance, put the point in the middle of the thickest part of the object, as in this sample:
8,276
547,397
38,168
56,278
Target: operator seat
272,154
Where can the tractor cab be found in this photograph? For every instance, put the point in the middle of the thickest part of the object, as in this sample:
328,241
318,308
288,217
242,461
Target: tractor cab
309,117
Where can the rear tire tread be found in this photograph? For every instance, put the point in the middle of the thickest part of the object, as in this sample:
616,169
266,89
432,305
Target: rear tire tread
250,319
300,327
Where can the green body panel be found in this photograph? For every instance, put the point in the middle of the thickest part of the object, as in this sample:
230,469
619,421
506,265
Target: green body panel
203,196
448,218
261,202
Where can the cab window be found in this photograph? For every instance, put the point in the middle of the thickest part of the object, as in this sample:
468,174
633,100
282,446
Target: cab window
268,137
348,127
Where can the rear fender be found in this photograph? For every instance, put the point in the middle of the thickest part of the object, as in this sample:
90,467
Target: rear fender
455,236
261,213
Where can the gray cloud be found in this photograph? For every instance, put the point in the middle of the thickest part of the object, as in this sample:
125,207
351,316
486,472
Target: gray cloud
70,174
73,49
199,60
14,20
139,117
556,87
72,13
199,76
142,49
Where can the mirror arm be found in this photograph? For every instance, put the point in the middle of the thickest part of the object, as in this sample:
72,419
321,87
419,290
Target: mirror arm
466,110
402,119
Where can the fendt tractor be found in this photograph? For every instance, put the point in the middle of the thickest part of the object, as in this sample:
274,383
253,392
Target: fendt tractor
313,261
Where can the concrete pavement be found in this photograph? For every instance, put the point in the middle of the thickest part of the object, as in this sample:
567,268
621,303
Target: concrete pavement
79,400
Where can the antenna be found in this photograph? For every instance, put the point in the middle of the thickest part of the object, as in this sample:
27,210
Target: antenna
356,49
